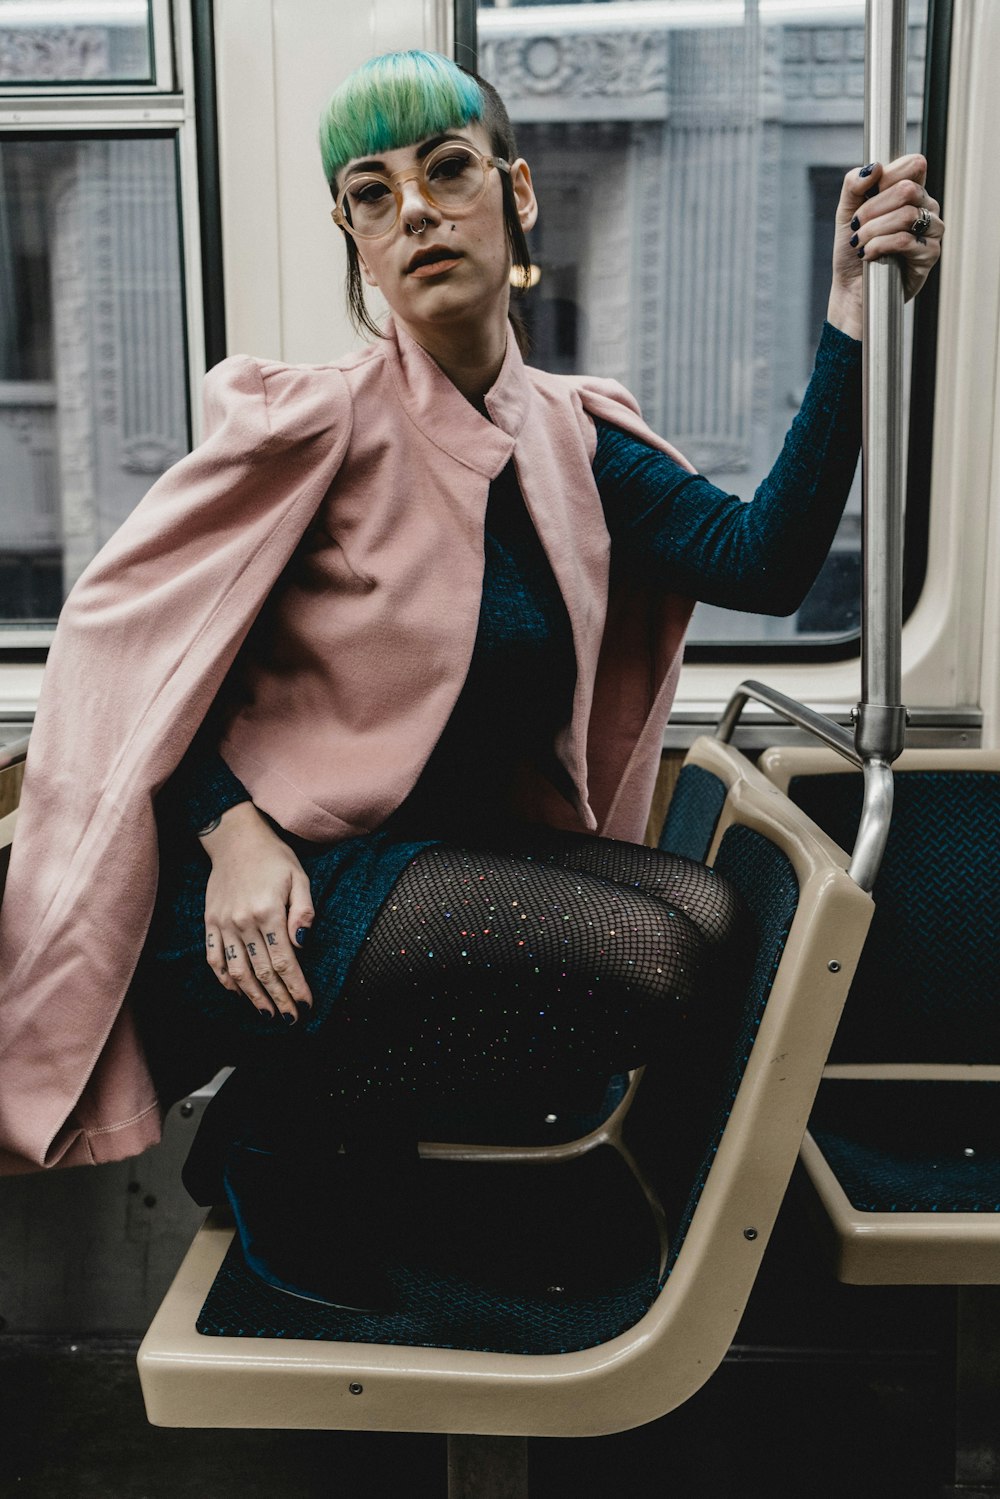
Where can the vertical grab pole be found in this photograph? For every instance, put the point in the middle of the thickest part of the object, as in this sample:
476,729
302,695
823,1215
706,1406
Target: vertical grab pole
880,717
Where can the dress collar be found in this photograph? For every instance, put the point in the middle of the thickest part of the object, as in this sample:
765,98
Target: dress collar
445,417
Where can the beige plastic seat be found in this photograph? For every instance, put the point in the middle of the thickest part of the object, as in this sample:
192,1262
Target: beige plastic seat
902,1155
811,921
12,757
902,1151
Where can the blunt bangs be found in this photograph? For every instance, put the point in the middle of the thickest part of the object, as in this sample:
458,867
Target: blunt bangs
392,101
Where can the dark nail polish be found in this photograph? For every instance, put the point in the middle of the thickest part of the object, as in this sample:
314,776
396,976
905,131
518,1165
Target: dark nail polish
861,253
855,223
871,193
301,934
267,1014
854,240
288,1019
867,171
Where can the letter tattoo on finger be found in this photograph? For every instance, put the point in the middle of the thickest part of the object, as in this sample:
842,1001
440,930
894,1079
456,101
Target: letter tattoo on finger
271,939
230,952
252,949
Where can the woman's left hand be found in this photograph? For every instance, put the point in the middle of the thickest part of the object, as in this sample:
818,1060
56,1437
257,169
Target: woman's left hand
886,211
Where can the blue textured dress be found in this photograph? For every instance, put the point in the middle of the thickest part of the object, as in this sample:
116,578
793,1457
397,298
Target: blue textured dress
669,528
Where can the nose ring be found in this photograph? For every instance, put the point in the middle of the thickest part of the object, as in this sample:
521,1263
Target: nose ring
423,226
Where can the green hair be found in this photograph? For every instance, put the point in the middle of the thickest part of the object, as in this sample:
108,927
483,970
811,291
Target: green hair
402,97
393,100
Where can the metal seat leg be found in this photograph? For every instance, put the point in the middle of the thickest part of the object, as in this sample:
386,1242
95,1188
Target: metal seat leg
977,1394
487,1467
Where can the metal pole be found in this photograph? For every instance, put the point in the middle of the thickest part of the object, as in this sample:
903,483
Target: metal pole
807,718
881,715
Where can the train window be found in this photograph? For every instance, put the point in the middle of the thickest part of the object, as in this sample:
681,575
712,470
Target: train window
80,45
93,386
688,159
104,199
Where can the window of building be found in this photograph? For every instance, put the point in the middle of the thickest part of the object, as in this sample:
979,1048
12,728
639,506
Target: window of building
688,159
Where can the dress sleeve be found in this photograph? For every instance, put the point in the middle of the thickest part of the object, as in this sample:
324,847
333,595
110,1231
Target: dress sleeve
684,535
203,786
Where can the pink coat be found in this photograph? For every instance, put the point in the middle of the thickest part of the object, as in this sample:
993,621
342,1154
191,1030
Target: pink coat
351,496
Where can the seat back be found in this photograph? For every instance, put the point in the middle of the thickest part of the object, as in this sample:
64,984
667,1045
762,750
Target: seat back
12,758
926,986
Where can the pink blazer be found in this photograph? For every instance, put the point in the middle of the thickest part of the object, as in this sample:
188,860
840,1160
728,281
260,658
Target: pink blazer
350,498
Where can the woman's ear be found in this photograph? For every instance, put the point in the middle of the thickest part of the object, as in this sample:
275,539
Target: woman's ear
524,193
362,263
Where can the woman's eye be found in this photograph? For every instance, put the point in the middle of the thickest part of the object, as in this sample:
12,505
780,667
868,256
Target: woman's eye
369,193
444,168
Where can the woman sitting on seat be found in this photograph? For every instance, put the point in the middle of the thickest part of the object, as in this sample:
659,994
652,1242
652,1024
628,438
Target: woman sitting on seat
394,650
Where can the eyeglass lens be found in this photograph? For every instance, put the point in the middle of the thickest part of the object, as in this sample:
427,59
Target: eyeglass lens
451,177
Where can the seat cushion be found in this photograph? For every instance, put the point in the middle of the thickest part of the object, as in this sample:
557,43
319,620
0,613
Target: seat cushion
499,1257
912,1147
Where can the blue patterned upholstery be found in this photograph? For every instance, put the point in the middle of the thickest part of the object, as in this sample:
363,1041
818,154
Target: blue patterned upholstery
693,813
768,884
535,1259
502,1258
926,987
912,1147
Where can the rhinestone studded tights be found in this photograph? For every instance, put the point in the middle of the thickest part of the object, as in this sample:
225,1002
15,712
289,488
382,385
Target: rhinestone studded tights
492,969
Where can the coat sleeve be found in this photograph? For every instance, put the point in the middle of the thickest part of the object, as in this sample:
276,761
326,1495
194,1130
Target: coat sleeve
142,646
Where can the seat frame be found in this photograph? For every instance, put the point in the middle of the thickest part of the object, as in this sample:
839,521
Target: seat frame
190,1380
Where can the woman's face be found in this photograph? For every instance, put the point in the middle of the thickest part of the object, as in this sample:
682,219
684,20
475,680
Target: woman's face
456,268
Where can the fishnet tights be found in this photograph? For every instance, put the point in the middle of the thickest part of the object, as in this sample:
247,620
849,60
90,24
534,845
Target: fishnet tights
497,969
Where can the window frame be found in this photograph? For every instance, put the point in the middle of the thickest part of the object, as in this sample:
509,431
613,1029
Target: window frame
162,66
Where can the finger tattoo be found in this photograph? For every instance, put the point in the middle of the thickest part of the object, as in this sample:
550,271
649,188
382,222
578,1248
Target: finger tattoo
252,949
271,939
230,952
211,940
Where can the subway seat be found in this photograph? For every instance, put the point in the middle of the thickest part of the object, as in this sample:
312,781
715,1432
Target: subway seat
903,1148
581,1287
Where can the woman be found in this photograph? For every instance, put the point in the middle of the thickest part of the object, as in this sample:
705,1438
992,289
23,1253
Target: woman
426,606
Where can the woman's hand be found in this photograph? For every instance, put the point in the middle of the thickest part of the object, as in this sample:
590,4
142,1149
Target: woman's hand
883,210
257,899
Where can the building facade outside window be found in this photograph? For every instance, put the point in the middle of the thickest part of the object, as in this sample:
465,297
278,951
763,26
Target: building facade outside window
688,160
100,328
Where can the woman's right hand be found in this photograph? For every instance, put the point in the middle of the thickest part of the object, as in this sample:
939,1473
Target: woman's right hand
257,899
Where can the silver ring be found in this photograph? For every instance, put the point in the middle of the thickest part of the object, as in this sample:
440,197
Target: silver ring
423,226
921,224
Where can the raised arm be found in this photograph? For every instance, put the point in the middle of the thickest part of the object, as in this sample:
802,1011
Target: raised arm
681,533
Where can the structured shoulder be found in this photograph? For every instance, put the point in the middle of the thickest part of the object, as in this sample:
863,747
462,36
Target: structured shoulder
579,389
273,401
606,400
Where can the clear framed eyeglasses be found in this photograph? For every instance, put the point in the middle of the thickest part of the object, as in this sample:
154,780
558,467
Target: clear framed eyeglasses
452,178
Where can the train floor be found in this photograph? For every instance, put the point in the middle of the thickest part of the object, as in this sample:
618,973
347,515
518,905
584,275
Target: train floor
830,1392
765,1426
